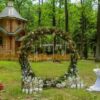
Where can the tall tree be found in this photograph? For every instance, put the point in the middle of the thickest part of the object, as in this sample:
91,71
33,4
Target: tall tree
19,4
59,19
54,23
98,34
42,1
83,26
54,13
66,16
39,12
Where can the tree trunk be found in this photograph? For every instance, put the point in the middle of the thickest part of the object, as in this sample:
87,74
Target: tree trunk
98,34
85,51
42,2
18,4
54,14
39,13
59,20
66,15
82,20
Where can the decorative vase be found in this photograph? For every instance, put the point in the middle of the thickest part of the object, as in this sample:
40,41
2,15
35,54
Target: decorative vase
1,87
96,86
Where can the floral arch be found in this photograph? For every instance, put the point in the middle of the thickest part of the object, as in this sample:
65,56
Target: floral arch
29,79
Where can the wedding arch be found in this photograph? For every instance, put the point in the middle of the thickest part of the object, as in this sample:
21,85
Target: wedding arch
29,79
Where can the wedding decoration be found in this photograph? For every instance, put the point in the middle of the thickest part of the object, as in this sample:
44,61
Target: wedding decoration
30,82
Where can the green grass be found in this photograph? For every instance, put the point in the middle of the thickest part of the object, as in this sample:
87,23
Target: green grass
10,76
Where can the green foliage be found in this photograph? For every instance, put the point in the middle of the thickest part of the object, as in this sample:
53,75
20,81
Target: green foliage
29,9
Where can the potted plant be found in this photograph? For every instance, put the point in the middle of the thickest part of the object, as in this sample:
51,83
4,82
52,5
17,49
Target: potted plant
1,86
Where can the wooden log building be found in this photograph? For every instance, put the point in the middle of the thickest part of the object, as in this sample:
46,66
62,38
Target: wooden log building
12,28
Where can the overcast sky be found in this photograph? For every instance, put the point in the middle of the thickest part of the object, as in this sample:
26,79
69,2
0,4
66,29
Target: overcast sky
75,1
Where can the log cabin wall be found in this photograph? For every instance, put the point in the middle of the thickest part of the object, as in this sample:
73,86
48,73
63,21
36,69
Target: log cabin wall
4,23
11,24
8,45
1,43
9,42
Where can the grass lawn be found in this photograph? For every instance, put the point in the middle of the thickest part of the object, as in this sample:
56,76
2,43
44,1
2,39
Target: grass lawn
10,76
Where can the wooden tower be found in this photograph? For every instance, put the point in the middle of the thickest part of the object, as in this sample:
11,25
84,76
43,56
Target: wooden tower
12,28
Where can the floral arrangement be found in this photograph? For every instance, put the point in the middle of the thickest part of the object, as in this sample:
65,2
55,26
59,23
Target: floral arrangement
30,82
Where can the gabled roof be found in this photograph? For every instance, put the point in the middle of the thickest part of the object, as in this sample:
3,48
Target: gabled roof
10,12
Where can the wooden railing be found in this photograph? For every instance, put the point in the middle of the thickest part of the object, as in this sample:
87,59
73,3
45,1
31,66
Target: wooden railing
39,57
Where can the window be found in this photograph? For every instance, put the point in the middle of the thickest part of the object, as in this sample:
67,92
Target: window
19,22
1,40
10,38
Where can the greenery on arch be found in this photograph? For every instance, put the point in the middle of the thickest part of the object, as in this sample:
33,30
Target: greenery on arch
27,74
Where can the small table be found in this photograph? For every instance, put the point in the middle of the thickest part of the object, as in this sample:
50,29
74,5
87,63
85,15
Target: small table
96,86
